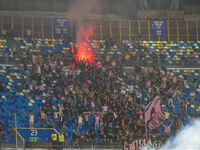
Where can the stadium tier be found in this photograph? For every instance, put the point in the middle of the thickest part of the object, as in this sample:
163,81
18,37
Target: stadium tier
181,53
171,52
21,98
99,74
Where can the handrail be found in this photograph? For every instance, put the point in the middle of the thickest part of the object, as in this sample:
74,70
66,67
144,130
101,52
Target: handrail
56,131
23,141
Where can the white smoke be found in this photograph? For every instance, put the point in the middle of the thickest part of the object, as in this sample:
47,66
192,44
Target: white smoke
80,12
187,139
78,9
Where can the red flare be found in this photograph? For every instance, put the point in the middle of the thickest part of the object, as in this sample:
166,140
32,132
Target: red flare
85,51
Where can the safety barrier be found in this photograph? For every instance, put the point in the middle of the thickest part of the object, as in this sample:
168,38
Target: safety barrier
43,27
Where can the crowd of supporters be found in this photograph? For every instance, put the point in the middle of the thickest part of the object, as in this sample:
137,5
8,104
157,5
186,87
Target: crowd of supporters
100,102
96,97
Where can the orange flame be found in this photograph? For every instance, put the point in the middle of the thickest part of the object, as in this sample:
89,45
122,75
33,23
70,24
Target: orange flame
85,51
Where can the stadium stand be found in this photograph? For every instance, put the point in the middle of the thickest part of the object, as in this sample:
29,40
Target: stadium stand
51,86
170,52
99,74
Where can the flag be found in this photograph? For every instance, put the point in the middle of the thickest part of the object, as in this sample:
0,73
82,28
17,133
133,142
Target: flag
89,81
153,114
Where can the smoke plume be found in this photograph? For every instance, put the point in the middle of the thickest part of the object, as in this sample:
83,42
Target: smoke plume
79,12
187,139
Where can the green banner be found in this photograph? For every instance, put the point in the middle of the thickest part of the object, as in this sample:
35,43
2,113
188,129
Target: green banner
34,139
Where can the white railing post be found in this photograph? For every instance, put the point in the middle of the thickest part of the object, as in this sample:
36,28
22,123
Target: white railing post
16,130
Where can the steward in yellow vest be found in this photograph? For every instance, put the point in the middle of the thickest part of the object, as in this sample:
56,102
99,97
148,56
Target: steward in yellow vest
61,138
54,141
54,137
61,141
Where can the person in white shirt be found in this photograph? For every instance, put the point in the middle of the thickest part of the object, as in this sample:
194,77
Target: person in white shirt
105,108
167,115
31,120
61,121
80,122
192,96
4,34
61,108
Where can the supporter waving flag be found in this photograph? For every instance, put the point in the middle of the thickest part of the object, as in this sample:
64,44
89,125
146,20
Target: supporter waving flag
153,115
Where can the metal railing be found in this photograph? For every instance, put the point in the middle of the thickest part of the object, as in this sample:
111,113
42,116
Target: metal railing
81,144
43,27
20,140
